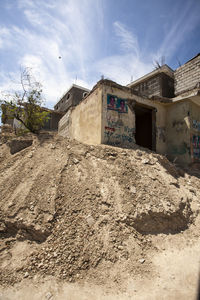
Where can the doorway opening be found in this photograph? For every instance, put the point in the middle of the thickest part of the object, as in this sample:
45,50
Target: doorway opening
145,127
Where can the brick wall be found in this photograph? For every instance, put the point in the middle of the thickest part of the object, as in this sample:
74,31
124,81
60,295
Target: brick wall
187,76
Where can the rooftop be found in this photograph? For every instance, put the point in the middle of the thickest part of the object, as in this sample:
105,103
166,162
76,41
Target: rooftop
164,69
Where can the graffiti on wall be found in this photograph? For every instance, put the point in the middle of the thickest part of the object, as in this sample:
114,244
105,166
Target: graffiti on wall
196,146
117,104
114,120
117,132
114,138
196,125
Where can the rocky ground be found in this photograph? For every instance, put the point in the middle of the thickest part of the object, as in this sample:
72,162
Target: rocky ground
96,222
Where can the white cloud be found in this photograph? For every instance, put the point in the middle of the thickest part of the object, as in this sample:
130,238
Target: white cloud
5,35
123,68
57,29
128,41
74,31
128,65
184,21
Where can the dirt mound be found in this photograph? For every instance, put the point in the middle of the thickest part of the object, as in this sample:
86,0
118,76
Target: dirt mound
86,208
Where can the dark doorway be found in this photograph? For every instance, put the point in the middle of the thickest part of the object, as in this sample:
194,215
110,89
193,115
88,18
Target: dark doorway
144,121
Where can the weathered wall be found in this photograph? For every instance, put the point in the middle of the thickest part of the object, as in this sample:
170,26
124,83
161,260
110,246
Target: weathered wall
195,132
52,122
118,121
167,85
98,120
119,128
72,98
149,87
159,85
178,132
86,119
187,76
64,124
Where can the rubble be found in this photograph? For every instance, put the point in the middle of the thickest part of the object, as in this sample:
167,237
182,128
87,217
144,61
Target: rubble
82,208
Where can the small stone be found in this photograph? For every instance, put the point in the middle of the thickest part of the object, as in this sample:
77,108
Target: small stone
90,220
120,247
75,161
30,155
40,265
139,153
145,161
133,189
49,296
142,260
26,275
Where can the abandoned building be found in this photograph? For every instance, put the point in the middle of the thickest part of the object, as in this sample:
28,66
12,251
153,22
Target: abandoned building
71,98
159,111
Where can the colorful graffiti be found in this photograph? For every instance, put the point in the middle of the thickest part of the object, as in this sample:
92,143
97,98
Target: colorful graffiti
117,104
196,146
114,138
109,129
114,120
196,125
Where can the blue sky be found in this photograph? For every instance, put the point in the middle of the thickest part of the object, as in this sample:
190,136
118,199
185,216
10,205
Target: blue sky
120,39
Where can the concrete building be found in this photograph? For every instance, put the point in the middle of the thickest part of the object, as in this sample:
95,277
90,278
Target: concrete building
160,111
159,82
71,98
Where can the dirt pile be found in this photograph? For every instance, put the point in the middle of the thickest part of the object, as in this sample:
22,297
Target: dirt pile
82,210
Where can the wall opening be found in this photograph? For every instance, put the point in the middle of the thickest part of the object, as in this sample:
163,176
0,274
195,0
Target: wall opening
145,127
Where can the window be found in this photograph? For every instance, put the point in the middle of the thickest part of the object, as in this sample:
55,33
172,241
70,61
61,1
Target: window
85,94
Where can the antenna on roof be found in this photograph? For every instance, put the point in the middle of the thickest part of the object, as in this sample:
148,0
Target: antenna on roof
102,77
131,78
76,79
158,63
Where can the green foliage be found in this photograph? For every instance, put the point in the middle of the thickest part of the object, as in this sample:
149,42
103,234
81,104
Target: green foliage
24,105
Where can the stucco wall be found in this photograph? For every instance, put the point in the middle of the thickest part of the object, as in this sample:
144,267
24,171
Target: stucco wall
118,125
95,121
178,132
86,119
125,134
195,132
